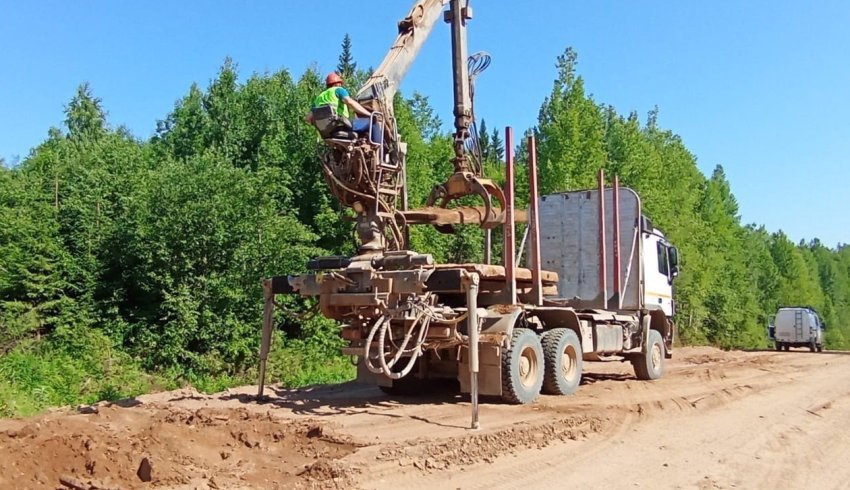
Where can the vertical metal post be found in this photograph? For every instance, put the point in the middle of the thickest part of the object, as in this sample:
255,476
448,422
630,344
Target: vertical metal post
266,342
617,288
534,224
457,15
603,256
488,246
472,330
404,201
509,252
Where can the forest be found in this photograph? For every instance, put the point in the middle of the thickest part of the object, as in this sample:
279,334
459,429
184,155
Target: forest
129,265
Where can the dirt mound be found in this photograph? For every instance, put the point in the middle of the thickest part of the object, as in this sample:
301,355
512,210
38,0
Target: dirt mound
429,455
166,446
705,355
770,407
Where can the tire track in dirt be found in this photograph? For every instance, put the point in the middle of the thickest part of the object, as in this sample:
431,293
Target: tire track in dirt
686,395
716,420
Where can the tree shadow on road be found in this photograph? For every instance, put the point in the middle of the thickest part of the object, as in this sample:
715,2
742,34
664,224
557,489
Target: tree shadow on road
353,398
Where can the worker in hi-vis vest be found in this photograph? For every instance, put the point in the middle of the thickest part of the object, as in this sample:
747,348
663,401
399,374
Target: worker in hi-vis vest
337,96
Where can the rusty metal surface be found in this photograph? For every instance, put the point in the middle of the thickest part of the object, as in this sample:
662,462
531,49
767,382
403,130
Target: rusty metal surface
497,272
603,262
455,216
508,229
464,183
618,290
534,225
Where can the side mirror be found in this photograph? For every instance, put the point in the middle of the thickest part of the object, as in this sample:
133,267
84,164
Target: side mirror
673,256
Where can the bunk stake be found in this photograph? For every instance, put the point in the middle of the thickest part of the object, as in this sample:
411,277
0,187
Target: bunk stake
472,330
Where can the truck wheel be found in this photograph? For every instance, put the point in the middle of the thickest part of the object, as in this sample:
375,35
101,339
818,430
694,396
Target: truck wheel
562,359
522,367
813,347
777,346
820,348
650,365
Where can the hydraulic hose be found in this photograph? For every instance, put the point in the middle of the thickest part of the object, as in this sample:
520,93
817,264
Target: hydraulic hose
382,329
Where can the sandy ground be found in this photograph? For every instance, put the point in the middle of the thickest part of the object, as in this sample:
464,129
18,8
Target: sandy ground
716,420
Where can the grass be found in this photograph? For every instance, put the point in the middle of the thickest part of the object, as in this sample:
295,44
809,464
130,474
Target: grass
82,367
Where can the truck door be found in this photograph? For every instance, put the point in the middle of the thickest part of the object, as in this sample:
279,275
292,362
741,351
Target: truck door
658,274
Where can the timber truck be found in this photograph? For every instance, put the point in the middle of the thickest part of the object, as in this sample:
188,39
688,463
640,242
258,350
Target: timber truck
597,281
600,285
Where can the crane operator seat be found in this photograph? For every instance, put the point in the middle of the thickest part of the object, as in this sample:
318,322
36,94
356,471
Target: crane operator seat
331,125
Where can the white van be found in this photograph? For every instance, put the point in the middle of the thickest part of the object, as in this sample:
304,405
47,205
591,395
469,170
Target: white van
797,326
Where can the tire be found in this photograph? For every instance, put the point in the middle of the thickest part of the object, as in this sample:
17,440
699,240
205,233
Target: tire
787,347
820,348
777,346
650,365
562,360
813,347
522,367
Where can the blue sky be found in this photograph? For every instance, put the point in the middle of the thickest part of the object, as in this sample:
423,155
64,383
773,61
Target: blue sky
760,87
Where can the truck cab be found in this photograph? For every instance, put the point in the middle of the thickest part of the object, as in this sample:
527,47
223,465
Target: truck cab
661,266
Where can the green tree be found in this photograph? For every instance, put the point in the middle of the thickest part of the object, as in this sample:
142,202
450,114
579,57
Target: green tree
570,132
346,67
84,116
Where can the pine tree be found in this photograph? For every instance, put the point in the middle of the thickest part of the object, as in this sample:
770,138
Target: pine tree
346,66
497,147
484,141
84,116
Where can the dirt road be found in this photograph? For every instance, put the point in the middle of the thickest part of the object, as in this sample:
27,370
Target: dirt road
716,420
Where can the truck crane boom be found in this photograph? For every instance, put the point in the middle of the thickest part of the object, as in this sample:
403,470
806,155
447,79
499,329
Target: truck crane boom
413,31
368,174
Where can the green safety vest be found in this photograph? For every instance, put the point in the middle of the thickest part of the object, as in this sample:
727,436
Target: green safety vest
328,97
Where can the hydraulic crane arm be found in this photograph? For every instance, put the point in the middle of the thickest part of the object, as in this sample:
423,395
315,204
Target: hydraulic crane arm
385,81
370,177
413,31
457,15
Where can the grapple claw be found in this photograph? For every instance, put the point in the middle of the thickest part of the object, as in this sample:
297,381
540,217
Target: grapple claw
462,184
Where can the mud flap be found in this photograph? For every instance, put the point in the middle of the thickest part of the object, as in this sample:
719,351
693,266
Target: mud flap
367,377
668,342
490,371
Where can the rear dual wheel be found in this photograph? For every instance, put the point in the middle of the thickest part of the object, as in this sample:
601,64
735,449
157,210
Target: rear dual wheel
522,367
563,359
551,362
